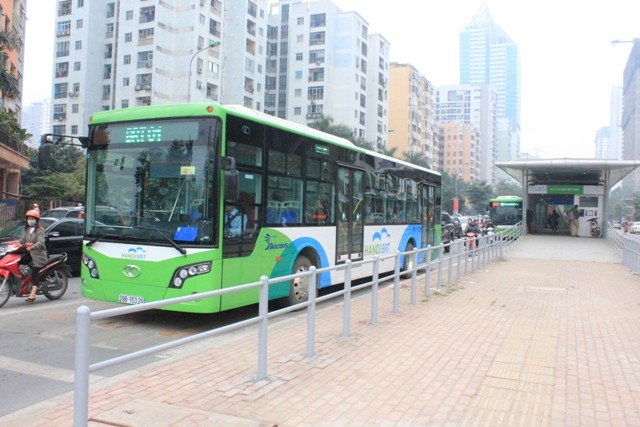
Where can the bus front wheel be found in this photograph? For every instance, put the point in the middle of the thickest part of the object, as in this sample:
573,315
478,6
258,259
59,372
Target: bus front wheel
299,290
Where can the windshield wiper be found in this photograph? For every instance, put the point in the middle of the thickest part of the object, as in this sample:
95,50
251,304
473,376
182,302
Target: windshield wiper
100,236
179,248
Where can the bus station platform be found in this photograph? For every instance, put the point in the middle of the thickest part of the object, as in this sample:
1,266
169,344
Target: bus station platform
548,336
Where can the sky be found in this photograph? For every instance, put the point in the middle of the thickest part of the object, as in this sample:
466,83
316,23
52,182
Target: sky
569,65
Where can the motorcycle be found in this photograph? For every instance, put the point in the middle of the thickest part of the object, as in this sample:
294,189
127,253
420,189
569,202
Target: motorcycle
15,277
490,232
594,227
472,241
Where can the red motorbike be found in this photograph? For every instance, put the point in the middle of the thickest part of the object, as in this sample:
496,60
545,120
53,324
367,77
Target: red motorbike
16,276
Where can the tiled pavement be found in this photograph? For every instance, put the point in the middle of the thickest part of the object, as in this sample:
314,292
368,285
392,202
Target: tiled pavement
550,336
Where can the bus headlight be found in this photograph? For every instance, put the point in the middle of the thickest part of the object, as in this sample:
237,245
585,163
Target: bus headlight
91,265
183,273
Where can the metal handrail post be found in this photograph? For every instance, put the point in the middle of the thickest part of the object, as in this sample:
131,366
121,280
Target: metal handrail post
439,286
374,291
450,268
414,275
81,380
346,312
312,293
263,313
396,282
458,256
427,273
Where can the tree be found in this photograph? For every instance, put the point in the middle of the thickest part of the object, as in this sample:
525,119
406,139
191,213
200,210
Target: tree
416,158
505,188
9,84
10,126
478,195
64,177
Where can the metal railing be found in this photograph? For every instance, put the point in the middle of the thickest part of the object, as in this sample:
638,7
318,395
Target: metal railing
451,257
626,246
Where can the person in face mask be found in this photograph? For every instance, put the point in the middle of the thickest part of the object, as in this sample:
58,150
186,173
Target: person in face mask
33,241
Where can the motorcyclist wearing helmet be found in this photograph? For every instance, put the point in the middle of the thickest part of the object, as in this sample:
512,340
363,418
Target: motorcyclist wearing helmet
473,227
33,242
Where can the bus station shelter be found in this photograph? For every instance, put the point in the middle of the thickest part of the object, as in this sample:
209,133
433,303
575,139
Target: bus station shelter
562,183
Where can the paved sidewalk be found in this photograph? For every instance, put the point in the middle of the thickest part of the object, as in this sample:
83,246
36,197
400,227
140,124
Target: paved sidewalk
529,341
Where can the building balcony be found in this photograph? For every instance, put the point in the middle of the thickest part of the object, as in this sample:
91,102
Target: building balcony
13,154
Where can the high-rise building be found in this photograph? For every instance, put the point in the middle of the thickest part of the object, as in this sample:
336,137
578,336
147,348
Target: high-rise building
411,114
137,52
615,124
474,105
631,117
603,143
488,55
36,119
323,62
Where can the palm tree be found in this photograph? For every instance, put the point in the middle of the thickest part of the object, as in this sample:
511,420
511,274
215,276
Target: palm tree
9,84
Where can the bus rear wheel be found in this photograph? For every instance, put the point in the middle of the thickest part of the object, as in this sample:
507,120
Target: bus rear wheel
409,261
299,288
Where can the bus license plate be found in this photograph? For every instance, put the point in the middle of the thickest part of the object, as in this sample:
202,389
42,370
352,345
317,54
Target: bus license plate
130,299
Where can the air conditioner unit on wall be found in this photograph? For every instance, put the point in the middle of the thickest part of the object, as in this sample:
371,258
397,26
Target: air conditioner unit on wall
148,64
147,87
138,87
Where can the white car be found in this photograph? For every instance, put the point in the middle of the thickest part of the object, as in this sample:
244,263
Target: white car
464,221
635,227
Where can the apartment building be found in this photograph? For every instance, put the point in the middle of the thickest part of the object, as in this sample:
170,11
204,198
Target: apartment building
125,53
321,62
460,150
412,120
13,155
473,104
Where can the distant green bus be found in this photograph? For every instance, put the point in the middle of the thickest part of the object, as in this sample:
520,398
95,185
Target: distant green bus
505,211
206,196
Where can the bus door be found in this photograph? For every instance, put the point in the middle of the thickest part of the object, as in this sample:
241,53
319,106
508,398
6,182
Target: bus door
349,221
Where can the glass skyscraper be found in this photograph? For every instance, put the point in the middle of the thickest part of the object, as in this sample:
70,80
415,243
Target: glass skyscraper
488,55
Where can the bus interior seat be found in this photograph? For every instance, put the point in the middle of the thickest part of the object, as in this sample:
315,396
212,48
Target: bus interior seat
288,216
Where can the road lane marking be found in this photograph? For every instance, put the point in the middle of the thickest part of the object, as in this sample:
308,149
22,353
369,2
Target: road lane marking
36,369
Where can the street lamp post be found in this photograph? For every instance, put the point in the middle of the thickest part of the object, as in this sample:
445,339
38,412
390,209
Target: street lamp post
211,44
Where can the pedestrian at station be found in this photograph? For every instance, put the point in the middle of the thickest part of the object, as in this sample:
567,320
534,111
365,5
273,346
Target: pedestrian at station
573,215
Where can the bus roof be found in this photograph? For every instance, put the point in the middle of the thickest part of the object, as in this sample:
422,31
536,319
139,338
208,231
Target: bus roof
506,198
162,111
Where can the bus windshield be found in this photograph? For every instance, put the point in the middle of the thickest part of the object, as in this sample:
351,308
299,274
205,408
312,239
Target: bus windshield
505,210
153,181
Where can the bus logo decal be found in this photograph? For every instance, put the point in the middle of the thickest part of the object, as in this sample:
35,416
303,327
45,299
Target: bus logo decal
131,271
135,253
273,246
377,246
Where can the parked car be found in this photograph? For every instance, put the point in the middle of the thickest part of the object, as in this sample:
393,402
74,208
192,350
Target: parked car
457,227
61,235
446,227
105,214
635,227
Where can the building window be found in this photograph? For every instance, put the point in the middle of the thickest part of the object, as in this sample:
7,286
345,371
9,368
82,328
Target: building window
126,59
62,69
318,20
297,111
80,3
111,10
145,33
145,59
77,66
78,44
316,38
301,20
64,8
106,92
129,15
125,81
298,93
300,38
60,90
79,23
298,75
62,49
124,103
147,14
299,56
74,129
214,27
75,108
128,37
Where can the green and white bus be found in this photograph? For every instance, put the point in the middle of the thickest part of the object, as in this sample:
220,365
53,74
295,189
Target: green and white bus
206,196
505,211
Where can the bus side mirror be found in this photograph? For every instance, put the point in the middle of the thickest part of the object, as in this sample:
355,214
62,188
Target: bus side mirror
231,184
44,155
